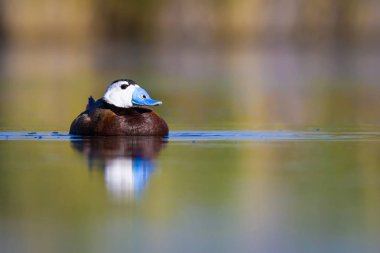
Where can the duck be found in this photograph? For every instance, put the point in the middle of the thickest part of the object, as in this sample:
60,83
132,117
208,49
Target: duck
122,111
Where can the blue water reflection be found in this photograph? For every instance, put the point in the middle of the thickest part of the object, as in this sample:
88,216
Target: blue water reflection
229,136
127,162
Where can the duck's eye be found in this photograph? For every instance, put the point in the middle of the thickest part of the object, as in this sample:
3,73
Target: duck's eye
124,86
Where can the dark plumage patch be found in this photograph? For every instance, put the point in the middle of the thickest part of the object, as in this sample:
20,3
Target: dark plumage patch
126,80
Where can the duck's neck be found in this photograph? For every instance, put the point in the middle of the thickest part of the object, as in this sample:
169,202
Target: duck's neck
110,106
121,110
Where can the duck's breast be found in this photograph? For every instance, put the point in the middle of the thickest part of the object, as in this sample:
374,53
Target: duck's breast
132,122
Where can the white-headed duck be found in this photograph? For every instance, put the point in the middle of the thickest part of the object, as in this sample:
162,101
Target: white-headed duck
119,112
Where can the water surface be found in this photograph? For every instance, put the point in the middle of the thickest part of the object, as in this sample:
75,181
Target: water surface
194,191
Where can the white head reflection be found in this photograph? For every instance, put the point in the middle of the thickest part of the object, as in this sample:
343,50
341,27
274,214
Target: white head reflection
127,177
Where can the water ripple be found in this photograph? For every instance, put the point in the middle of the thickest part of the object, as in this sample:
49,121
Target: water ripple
228,136
272,136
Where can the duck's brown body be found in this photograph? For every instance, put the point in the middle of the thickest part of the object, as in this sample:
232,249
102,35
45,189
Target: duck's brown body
103,119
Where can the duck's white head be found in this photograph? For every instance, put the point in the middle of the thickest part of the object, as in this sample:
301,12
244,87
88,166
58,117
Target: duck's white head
126,93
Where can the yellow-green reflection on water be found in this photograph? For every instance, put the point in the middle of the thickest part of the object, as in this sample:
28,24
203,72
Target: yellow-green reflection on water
198,195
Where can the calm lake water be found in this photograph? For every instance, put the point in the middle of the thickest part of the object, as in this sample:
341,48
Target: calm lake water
211,191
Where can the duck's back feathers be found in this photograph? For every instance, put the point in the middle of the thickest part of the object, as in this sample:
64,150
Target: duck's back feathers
101,118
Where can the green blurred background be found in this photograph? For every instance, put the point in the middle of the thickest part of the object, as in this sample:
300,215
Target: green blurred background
216,64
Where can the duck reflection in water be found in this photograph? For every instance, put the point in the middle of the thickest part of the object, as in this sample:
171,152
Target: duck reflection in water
128,161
